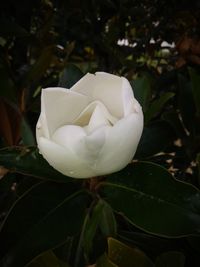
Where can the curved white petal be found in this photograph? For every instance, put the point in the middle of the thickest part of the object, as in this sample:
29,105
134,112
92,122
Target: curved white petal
128,98
121,143
94,116
64,160
85,147
59,107
104,87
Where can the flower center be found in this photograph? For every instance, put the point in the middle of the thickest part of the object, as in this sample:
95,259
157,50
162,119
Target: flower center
94,116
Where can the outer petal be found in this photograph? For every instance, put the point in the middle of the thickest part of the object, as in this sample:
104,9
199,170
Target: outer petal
59,107
64,160
111,90
121,144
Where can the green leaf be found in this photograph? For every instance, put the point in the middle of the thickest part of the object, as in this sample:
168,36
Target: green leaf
198,164
155,138
27,134
151,244
173,118
150,198
194,242
186,102
195,81
142,90
125,256
28,161
41,219
91,225
70,75
157,106
104,261
101,215
171,259
38,69
47,259
8,89
9,28
107,221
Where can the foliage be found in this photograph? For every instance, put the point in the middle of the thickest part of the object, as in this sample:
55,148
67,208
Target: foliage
145,215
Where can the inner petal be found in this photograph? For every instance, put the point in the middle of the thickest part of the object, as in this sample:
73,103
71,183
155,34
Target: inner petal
70,136
95,116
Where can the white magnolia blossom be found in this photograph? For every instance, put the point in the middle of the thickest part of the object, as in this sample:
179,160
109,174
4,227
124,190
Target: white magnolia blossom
91,129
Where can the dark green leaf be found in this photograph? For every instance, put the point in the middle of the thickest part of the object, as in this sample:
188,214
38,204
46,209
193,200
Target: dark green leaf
41,219
102,216
104,261
7,85
107,221
194,242
171,259
195,81
125,256
157,106
91,225
10,28
27,160
38,69
173,118
186,102
150,243
142,90
70,75
27,134
153,200
47,259
155,138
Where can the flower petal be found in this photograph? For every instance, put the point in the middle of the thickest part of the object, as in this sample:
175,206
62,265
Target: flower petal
85,147
121,143
95,114
104,87
59,107
64,160
129,102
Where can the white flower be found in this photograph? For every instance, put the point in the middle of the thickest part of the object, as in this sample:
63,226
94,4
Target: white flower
91,129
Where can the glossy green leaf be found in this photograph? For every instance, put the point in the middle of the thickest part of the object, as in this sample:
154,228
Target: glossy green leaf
149,243
155,138
195,81
92,222
8,89
186,102
104,261
107,221
70,75
41,219
171,259
47,259
125,256
100,215
153,200
28,138
9,28
194,242
142,90
198,164
40,66
173,118
28,161
157,106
